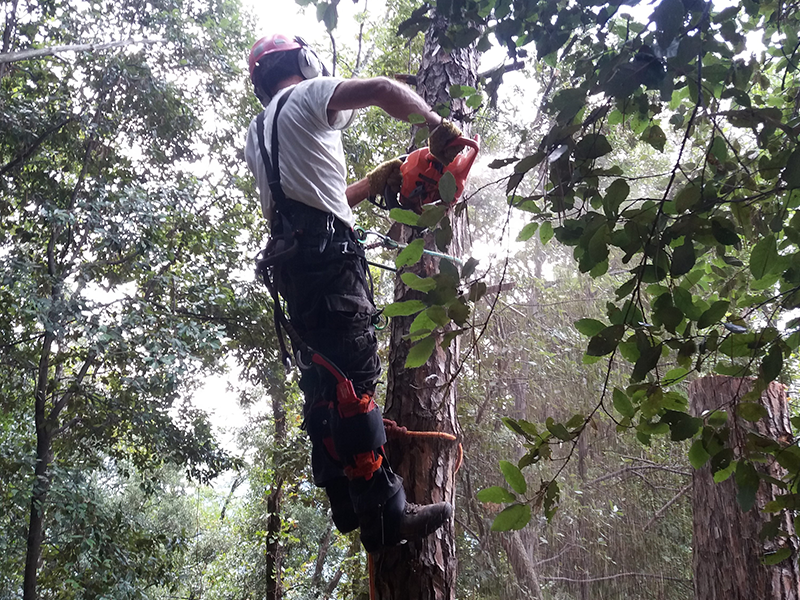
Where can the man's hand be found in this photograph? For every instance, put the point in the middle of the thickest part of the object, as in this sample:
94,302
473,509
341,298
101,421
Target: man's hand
439,139
385,178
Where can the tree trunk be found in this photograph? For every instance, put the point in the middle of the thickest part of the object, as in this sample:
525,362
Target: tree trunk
275,503
522,564
425,398
41,479
728,549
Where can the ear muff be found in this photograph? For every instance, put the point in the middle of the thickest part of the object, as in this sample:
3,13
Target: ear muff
310,64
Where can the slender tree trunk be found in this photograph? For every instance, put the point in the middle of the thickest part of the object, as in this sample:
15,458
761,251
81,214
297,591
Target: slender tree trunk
41,481
522,564
728,549
275,504
425,398
8,30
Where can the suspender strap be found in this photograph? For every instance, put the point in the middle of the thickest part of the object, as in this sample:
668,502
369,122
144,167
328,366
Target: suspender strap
272,166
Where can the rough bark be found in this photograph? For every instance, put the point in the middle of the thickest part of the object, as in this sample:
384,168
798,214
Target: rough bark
425,398
727,546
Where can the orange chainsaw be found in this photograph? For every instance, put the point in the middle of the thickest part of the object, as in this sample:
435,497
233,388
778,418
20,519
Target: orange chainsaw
421,173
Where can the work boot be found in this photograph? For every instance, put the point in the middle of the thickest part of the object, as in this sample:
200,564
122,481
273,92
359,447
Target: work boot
398,521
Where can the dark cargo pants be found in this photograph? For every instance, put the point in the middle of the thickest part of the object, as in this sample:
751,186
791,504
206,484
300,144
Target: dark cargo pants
330,305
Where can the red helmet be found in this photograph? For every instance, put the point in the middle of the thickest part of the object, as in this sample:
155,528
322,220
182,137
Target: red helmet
268,45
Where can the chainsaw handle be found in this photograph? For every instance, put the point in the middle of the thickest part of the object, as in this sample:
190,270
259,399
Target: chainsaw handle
465,142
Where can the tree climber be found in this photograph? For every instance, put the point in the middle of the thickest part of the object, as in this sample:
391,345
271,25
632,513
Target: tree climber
324,282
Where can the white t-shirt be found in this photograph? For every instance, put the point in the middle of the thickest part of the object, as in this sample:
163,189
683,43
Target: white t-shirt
311,156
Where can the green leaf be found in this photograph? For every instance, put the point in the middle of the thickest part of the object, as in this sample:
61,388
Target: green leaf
404,309
438,314
606,341
656,137
448,187
591,146
431,216
698,455
616,194
407,217
420,352
668,15
683,259
527,232
764,256
514,517
772,365
415,282
791,174
622,403
496,494
529,162
776,557
751,411
747,481
714,314
410,254
682,426
514,477
723,233
687,198
469,268
646,363
546,232
558,430
589,327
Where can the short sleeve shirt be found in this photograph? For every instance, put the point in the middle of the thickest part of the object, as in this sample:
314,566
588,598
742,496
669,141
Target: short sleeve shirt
311,156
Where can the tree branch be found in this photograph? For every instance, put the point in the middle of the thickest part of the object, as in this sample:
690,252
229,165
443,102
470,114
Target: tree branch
635,469
67,396
29,152
618,576
664,508
10,57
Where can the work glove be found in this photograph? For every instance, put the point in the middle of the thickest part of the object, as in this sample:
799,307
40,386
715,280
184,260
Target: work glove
385,178
440,137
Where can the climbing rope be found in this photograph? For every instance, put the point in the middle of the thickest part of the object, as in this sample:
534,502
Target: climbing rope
386,242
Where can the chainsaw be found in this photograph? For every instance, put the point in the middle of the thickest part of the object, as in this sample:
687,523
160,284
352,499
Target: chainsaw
421,173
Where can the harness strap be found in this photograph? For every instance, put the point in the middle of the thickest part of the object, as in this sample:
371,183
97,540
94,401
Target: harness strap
272,166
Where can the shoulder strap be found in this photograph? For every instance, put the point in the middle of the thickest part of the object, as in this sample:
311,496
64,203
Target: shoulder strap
272,166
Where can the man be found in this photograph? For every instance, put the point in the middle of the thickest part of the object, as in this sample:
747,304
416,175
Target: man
324,283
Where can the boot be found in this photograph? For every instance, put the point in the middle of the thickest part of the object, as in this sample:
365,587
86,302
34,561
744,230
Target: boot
398,521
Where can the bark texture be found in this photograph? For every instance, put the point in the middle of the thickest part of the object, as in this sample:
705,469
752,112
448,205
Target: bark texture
425,398
727,544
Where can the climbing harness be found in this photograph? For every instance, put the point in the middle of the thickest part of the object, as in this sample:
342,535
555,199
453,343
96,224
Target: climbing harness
357,420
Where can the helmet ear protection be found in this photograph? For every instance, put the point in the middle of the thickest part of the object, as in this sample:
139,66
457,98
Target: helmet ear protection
310,64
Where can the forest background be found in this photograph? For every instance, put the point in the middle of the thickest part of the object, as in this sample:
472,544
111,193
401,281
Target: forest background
129,222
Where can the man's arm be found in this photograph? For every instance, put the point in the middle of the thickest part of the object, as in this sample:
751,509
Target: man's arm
356,192
395,98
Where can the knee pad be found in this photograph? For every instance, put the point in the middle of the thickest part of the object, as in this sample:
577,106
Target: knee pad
358,432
